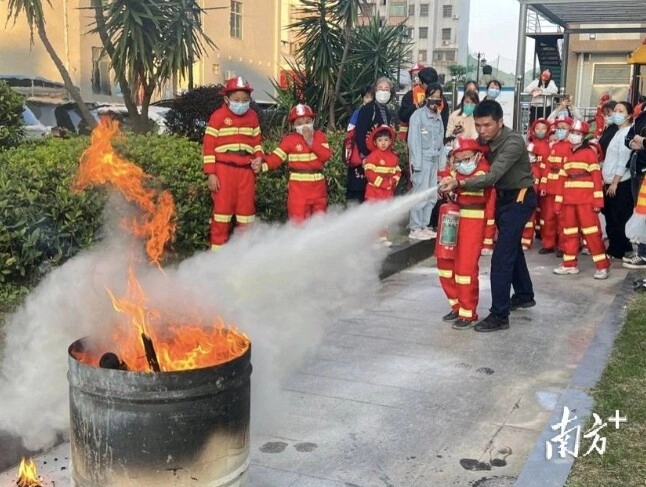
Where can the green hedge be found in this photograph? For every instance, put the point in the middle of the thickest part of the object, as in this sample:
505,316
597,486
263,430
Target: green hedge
43,221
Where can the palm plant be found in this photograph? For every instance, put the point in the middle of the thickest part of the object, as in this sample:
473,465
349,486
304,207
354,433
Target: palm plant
148,42
34,14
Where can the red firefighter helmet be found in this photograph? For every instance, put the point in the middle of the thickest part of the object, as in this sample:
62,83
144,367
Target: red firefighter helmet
238,83
300,110
595,146
580,126
416,69
378,130
556,121
465,143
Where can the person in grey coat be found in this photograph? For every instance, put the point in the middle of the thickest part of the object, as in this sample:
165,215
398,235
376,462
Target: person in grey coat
425,144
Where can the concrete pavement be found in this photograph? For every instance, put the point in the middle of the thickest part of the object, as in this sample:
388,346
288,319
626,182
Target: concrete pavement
393,397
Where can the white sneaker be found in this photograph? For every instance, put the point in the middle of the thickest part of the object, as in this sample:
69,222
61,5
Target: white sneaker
525,248
486,252
601,274
628,259
562,271
385,242
419,234
430,231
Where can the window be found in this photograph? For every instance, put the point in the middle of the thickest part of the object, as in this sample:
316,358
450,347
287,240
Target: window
423,10
437,56
100,73
421,56
236,19
383,2
368,10
447,11
450,55
446,34
411,10
423,32
398,10
611,74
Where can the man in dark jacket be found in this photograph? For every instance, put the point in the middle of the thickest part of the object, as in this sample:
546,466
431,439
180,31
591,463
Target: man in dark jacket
636,140
427,77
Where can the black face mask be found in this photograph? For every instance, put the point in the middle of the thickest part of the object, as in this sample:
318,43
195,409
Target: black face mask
434,103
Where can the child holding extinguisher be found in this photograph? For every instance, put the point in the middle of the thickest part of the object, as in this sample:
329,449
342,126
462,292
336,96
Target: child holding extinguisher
458,250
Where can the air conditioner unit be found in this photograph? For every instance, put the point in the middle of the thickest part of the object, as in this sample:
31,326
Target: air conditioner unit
445,42
456,16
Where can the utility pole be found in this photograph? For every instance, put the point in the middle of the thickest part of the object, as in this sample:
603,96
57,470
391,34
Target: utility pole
479,55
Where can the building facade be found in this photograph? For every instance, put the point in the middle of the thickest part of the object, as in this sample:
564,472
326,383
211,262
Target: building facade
438,30
247,34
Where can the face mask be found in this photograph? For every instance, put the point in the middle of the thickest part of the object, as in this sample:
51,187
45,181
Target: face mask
468,109
466,167
541,134
493,93
608,120
576,139
239,108
382,96
300,128
561,134
618,118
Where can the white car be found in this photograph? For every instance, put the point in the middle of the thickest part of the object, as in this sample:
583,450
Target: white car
155,113
32,127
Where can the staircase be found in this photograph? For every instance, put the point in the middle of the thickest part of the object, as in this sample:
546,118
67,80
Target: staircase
547,52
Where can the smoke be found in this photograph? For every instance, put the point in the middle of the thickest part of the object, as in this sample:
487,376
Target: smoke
280,284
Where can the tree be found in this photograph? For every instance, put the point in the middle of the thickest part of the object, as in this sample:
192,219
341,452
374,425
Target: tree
11,106
148,43
458,72
33,12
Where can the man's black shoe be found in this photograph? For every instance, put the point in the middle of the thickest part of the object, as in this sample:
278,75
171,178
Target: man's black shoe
492,323
544,251
559,254
452,316
517,303
462,324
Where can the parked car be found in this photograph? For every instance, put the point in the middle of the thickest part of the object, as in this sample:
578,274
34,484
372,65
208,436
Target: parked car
33,128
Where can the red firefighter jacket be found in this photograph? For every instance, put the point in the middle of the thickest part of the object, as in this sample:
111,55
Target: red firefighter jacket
582,182
552,172
304,162
542,152
476,203
382,169
231,139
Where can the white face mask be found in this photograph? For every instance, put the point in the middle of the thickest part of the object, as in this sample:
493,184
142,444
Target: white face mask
382,96
575,139
300,128
467,167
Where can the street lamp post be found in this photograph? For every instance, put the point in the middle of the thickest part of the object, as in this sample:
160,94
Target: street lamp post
478,64
403,37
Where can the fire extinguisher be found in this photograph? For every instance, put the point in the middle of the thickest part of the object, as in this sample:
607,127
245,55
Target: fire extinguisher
447,230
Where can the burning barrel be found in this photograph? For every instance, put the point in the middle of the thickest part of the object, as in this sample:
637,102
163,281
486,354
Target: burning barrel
169,428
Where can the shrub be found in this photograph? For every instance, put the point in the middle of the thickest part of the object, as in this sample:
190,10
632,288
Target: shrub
190,112
11,106
43,222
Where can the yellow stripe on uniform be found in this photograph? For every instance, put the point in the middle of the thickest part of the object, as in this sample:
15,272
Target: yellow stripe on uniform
576,165
445,273
579,184
378,180
221,218
465,313
211,131
215,248
466,280
297,176
280,153
453,302
479,192
234,148
589,230
245,218
568,258
597,194
208,159
570,230
472,213
326,145
301,157
599,257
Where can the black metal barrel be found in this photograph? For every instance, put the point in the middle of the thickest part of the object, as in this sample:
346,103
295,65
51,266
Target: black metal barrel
170,429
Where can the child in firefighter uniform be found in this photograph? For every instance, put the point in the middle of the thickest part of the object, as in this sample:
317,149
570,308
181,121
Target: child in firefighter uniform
306,151
381,168
532,225
457,261
232,142
550,184
578,202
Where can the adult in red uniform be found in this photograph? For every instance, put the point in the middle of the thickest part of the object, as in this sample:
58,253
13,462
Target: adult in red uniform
232,141
550,185
306,151
459,276
582,199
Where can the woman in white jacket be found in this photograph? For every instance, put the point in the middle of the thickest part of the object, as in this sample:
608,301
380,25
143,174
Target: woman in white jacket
618,198
539,88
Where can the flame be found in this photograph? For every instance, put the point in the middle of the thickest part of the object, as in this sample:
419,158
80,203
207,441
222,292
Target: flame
27,476
101,165
179,346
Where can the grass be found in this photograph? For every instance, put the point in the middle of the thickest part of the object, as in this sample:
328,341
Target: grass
622,387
